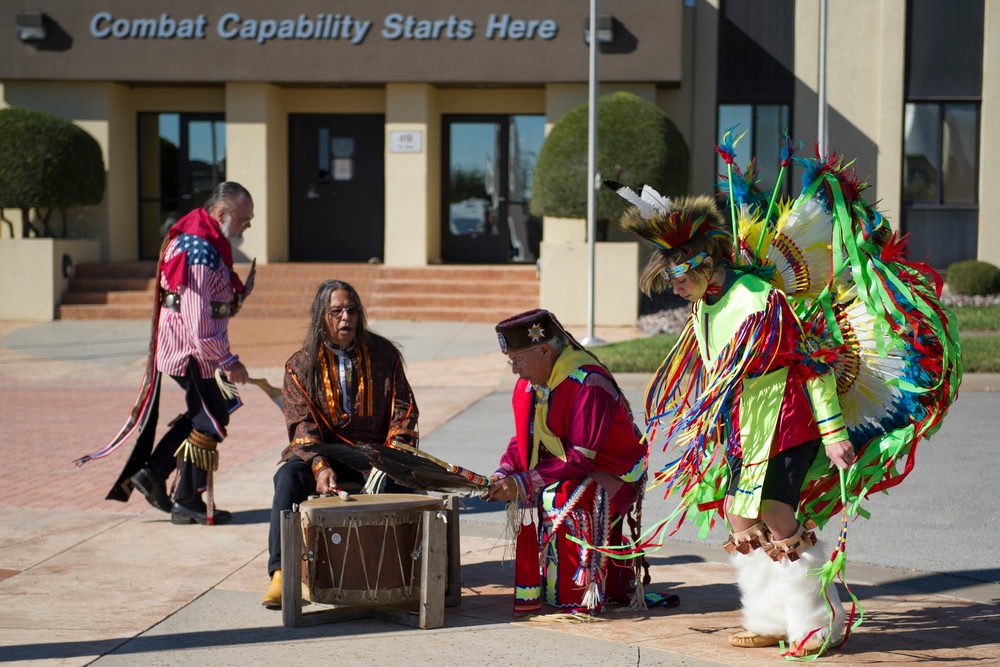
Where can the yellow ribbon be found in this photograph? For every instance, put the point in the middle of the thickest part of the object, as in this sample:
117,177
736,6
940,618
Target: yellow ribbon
570,360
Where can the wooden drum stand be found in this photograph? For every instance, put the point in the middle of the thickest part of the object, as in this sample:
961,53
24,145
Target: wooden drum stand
391,556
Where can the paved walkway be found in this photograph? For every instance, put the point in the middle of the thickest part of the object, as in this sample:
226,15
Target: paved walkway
83,580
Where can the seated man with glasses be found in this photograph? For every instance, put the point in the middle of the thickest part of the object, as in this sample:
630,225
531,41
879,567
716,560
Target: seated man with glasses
344,391
576,457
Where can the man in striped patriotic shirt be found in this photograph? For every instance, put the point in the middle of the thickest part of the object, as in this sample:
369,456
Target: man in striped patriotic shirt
199,292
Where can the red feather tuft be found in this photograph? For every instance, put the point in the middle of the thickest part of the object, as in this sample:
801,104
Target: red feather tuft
895,248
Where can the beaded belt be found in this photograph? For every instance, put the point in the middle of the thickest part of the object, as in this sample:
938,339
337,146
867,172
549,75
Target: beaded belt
220,309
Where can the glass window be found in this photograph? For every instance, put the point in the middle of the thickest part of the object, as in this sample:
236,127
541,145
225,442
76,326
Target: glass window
941,146
488,176
182,157
944,49
922,146
960,154
527,133
756,51
472,182
943,89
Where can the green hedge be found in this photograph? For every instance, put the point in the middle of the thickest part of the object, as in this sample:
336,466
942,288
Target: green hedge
47,162
973,277
637,144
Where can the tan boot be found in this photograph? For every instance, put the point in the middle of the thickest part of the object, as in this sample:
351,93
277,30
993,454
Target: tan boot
272,598
748,639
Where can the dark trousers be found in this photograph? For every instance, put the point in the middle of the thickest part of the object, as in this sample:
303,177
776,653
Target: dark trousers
204,402
294,483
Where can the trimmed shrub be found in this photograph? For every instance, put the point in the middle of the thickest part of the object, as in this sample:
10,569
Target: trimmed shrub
637,144
973,277
47,163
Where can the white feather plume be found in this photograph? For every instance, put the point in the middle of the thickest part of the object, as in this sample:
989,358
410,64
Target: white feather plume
650,204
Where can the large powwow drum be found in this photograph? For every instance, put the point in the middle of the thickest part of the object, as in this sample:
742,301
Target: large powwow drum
364,551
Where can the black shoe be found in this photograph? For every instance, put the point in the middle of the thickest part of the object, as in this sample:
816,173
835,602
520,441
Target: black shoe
196,512
153,487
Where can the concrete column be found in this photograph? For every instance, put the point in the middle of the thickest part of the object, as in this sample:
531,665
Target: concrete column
890,89
412,179
989,141
257,159
704,101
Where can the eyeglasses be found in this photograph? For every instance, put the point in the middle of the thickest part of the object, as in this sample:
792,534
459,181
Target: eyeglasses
336,313
234,216
517,362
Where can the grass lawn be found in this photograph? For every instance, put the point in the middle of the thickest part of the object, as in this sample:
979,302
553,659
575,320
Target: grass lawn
980,352
978,318
641,355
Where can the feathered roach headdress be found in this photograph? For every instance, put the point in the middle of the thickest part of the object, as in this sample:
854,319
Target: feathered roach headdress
685,232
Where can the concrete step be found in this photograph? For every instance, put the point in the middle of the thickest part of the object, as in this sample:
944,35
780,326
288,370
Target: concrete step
489,315
103,312
467,286
458,293
453,272
116,298
111,284
511,302
116,270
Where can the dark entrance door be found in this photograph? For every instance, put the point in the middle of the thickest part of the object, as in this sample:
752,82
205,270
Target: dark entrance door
182,157
488,166
336,189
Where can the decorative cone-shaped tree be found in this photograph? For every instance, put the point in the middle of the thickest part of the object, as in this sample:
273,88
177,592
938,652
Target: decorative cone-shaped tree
47,164
637,144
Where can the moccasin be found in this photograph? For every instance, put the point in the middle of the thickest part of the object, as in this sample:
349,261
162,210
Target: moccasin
747,639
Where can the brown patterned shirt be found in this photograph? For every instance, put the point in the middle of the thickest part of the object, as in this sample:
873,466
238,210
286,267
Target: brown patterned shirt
379,404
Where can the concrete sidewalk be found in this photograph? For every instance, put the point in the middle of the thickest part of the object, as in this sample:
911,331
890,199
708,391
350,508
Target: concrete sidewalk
85,581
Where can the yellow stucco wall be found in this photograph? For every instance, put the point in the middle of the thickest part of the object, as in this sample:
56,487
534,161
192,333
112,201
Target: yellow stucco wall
256,158
412,235
564,281
989,141
36,267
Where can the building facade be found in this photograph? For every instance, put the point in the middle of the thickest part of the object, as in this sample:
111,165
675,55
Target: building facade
406,133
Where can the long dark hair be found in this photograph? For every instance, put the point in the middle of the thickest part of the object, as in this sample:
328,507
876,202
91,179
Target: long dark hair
316,332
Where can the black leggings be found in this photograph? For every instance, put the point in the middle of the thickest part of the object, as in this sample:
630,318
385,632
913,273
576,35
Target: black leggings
786,473
206,408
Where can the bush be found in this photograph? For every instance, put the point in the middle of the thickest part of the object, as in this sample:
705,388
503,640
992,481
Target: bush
973,277
47,163
637,144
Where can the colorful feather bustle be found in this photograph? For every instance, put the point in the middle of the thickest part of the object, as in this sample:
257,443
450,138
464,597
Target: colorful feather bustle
902,365
797,245
692,405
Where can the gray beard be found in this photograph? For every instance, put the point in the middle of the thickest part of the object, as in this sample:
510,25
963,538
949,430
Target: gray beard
227,233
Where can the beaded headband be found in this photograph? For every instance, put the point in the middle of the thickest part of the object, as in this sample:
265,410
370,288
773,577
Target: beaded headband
680,269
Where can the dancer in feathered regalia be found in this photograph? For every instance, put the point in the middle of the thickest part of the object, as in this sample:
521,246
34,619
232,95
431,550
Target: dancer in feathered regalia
814,360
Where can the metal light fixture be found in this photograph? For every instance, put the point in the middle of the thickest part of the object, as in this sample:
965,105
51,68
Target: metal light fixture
31,26
605,29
